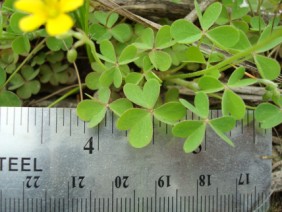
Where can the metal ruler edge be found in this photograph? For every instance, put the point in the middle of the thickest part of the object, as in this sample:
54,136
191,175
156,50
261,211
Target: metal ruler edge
116,177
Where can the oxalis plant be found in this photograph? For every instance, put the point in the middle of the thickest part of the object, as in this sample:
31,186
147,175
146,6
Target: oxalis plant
136,71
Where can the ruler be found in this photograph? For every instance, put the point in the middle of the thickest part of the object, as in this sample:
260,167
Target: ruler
51,161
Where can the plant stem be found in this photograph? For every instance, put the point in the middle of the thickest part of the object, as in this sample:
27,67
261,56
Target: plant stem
188,84
90,44
231,59
34,51
55,93
79,80
72,91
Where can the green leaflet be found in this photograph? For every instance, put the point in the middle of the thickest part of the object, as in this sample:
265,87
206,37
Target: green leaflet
184,31
146,97
170,112
236,79
193,54
224,36
233,105
21,45
9,99
140,126
163,38
119,106
268,115
267,67
209,84
161,60
87,109
211,15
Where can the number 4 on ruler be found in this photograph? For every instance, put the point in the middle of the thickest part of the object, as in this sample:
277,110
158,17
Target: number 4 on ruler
89,146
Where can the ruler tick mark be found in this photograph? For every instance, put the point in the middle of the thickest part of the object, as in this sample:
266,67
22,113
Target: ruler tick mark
63,117
56,120
14,120
42,122
70,122
49,117
7,116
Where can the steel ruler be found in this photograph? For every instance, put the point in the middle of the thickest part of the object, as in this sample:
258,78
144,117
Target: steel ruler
51,162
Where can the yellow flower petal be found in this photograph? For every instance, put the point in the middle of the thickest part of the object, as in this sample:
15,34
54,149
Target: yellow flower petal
70,5
59,25
30,6
31,22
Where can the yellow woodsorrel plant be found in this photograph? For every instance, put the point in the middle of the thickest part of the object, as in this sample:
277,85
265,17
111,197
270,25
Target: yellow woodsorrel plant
135,71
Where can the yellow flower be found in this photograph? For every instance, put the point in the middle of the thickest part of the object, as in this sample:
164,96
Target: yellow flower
52,13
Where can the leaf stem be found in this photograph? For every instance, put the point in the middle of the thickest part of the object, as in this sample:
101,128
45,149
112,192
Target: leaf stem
72,91
231,59
188,84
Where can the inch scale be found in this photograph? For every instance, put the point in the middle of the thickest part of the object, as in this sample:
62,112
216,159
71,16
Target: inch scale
51,162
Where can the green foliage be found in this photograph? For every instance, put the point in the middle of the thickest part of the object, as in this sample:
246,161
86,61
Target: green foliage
185,32
142,74
194,130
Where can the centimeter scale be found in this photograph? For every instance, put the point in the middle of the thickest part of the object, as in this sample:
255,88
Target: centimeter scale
51,162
